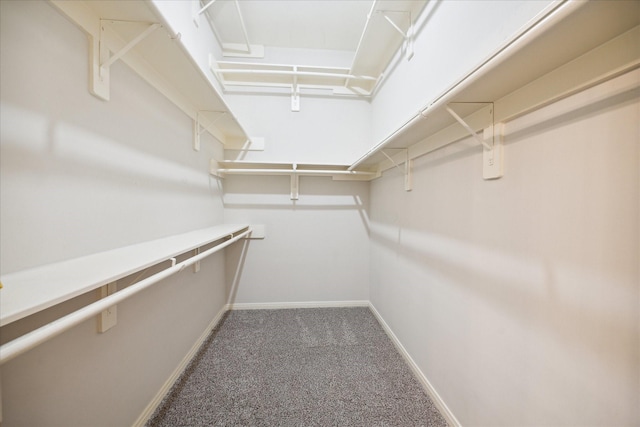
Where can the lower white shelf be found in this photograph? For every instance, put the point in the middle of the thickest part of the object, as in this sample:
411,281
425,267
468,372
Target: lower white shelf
30,291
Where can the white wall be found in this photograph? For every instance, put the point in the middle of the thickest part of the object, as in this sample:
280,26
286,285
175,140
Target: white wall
519,298
79,176
451,39
316,248
324,131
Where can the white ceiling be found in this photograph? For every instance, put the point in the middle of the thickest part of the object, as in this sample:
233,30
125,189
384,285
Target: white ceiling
309,24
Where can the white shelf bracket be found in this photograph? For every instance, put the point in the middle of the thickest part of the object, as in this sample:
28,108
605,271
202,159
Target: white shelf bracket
481,139
295,183
493,160
406,35
492,149
196,265
295,92
407,170
109,317
198,129
103,59
201,10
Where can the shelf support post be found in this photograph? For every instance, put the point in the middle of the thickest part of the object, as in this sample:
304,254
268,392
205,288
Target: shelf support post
102,60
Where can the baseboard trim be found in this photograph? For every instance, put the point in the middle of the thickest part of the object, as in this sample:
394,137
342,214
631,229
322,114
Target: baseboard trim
166,387
433,394
287,305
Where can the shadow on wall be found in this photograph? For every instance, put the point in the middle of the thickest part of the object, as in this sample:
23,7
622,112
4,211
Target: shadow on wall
528,290
570,113
316,194
62,149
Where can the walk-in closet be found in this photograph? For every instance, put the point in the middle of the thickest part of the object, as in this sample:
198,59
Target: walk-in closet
319,212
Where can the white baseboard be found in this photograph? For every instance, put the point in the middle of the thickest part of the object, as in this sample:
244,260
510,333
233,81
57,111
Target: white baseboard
285,305
433,394
166,387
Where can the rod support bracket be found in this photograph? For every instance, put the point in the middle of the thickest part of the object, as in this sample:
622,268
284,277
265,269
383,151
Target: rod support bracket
407,171
108,318
295,183
198,127
102,59
407,34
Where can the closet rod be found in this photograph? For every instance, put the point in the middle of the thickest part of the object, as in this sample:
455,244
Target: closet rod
291,73
34,338
558,13
232,171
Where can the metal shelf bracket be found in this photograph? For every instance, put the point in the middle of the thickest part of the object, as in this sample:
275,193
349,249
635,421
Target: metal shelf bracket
406,35
492,152
407,170
295,183
198,128
102,59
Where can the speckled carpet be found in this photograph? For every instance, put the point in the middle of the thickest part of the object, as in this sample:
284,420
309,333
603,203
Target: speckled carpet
298,367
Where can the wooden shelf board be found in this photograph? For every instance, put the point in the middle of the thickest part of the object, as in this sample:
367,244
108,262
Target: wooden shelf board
29,291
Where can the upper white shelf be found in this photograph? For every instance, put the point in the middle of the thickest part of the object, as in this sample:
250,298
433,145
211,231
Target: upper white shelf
29,291
389,24
160,57
575,46
292,77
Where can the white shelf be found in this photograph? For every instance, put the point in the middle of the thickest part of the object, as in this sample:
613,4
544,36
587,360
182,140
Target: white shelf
338,172
575,47
288,76
30,291
160,58
380,40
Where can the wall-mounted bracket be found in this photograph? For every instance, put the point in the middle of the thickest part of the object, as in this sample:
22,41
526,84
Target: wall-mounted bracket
200,11
407,170
198,128
295,92
258,232
102,59
295,183
407,34
481,139
109,317
196,265
493,160
492,153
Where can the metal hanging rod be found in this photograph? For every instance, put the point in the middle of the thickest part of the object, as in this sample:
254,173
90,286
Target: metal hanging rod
34,338
291,73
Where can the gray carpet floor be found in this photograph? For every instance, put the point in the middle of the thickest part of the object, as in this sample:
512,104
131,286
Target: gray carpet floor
298,367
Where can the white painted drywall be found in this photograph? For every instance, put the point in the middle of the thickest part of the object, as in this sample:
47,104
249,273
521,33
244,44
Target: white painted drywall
316,248
79,175
324,131
451,39
519,298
